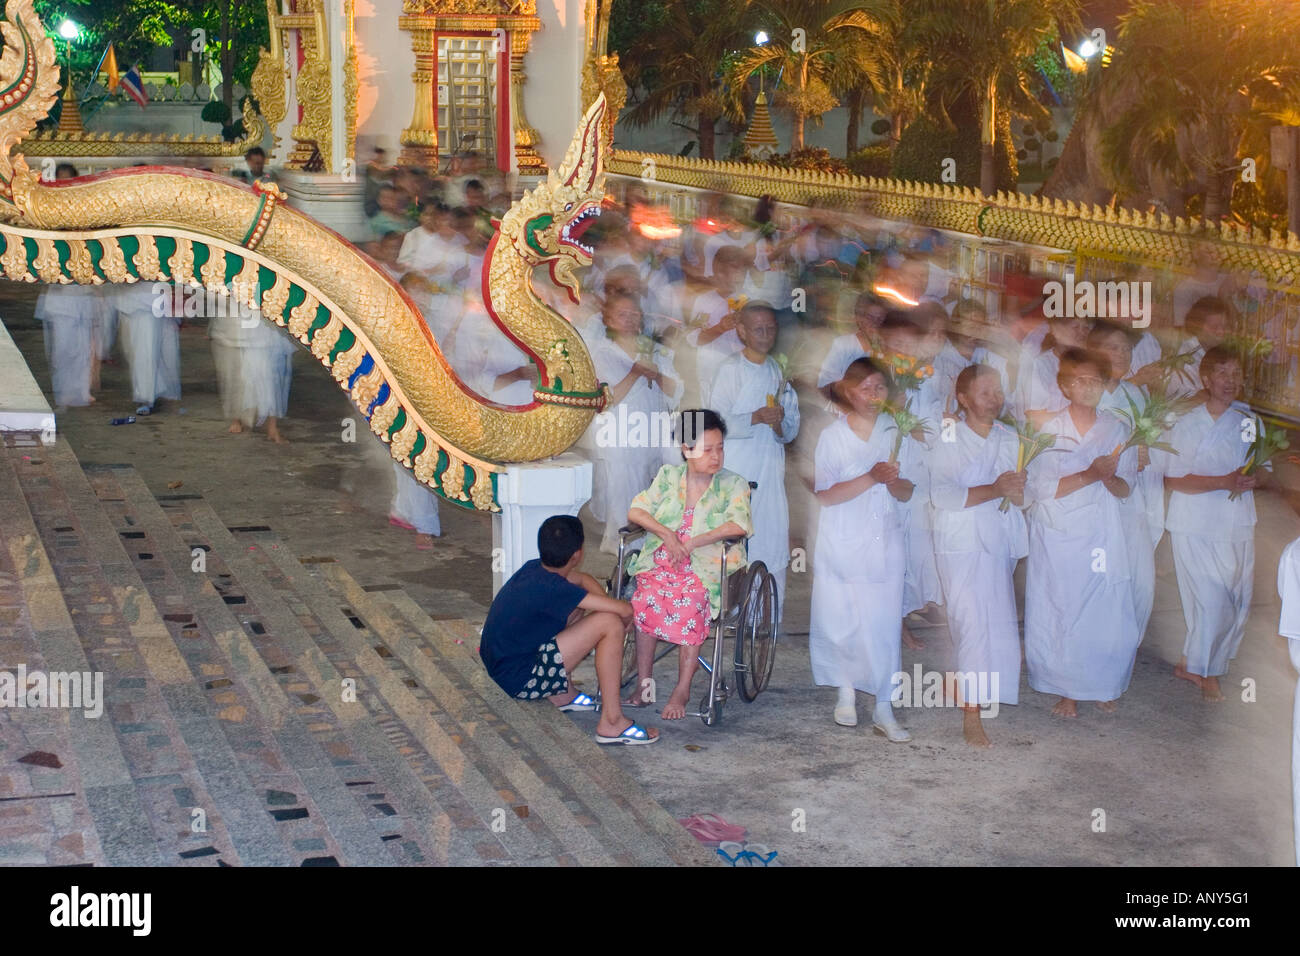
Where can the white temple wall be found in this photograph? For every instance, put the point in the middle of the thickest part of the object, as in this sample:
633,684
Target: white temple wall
386,94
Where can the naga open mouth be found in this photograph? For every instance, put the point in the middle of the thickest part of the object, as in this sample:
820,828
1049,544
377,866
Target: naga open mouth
576,226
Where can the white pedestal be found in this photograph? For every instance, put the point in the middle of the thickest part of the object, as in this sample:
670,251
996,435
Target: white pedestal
330,200
529,494
23,407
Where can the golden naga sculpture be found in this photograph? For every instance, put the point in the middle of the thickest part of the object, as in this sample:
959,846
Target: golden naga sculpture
1151,237
153,224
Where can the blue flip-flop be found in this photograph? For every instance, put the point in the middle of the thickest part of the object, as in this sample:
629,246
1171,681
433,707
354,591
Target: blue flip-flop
580,703
633,735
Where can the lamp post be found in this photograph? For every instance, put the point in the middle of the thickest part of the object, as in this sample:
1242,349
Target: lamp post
70,116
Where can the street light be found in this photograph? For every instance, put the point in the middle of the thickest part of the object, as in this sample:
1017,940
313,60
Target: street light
761,37
69,30
1087,49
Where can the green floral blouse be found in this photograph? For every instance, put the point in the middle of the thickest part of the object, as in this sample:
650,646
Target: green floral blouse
726,499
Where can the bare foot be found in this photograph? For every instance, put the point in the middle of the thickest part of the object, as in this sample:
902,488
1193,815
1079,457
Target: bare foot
1107,706
1210,689
1065,707
235,427
610,729
675,709
972,729
559,700
1181,671
424,542
639,699
92,399
911,641
273,433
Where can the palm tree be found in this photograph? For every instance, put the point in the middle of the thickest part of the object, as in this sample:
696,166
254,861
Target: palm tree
1203,79
983,48
891,65
823,55
676,64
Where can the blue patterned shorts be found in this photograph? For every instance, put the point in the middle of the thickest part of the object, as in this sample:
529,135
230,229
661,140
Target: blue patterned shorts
549,678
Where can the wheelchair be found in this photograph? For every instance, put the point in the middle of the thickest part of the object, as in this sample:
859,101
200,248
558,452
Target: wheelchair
748,617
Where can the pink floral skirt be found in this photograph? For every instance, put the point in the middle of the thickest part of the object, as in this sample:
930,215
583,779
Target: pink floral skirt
671,602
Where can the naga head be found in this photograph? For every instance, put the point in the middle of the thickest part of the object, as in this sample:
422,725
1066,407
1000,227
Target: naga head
29,85
547,224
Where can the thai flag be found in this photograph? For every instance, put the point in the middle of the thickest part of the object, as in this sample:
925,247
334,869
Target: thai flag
134,86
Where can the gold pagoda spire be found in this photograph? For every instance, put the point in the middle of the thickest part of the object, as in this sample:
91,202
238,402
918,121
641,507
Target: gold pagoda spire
761,140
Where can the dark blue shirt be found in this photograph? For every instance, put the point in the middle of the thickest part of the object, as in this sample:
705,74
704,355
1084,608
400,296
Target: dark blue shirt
529,610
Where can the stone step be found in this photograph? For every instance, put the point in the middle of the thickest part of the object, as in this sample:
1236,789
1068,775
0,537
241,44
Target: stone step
538,782
415,778
149,778
45,817
313,797
447,722
619,798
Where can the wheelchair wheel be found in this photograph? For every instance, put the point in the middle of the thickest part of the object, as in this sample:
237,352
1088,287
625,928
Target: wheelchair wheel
625,584
756,634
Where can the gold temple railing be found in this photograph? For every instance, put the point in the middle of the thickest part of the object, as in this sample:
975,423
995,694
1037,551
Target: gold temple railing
1047,235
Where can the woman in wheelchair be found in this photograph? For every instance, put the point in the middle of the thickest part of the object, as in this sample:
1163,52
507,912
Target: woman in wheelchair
687,512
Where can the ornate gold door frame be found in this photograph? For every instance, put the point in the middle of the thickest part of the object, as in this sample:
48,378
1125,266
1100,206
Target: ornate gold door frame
424,20
314,134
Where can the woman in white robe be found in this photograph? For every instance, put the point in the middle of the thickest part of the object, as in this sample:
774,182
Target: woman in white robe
1144,508
977,546
151,341
1081,635
1288,589
70,314
755,448
1213,536
254,363
1040,397
414,507
857,594
629,438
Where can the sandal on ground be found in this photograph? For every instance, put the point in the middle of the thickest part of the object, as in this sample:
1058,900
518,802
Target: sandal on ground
144,410
711,830
633,735
580,703
733,853
758,854
399,523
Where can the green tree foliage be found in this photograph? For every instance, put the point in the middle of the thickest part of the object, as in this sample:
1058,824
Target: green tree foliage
814,47
987,49
927,142
138,27
1206,79
674,56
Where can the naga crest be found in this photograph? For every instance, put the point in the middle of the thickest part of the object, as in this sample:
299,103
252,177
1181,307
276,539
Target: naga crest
547,224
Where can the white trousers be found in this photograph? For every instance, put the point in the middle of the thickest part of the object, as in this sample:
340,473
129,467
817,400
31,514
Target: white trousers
414,503
1215,580
153,347
69,349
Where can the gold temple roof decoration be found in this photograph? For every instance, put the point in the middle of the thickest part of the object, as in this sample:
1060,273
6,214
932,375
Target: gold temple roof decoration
54,143
433,8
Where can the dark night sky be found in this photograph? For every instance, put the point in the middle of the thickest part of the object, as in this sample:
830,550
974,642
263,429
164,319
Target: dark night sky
1103,13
